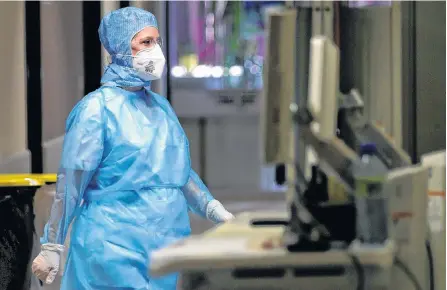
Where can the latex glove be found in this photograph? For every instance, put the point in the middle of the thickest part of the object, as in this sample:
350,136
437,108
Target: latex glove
216,212
46,264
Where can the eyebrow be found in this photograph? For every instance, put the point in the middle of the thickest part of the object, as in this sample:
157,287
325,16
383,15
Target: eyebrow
148,37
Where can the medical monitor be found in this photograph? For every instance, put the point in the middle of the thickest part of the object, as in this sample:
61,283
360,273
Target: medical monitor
279,85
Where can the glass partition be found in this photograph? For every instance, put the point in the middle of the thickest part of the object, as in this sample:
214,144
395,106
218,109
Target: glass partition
217,44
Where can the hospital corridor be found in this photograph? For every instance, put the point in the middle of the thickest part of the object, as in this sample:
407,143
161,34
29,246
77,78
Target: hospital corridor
222,145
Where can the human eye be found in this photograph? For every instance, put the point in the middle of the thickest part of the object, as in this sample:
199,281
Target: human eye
149,42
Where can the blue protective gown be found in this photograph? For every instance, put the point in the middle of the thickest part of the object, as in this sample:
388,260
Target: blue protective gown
126,155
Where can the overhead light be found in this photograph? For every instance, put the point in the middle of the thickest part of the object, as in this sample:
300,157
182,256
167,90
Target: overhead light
236,71
201,71
217,72
178,71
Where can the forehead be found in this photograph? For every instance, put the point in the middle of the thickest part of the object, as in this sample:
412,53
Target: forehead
146,32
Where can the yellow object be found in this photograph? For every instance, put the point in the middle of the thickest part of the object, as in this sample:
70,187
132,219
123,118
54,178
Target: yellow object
26,179
336,190
190,61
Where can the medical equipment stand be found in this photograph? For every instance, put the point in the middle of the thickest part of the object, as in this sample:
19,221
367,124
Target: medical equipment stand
249,252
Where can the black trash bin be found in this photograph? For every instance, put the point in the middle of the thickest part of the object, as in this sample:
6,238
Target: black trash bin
17,228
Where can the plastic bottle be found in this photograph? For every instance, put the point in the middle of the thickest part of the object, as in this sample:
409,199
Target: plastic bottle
371,200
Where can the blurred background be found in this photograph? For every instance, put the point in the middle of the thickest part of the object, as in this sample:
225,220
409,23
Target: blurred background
393,52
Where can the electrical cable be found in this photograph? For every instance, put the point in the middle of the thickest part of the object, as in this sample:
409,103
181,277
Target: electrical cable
359,271
401,265
430,265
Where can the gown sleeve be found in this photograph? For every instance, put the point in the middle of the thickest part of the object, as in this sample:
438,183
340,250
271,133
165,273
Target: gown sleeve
197,194
81,154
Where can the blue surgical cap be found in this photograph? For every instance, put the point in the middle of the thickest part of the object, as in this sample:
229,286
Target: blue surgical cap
119,27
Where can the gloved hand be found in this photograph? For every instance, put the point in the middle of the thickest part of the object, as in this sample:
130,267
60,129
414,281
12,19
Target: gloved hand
46,264
216,212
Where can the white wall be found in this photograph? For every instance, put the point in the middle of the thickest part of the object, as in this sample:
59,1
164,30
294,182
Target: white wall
12,78
13,134
232,151
62,63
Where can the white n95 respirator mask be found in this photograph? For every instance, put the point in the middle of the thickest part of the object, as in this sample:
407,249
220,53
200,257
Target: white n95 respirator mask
149,63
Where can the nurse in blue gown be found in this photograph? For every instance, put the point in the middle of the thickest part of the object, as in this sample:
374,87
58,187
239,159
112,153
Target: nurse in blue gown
125,178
